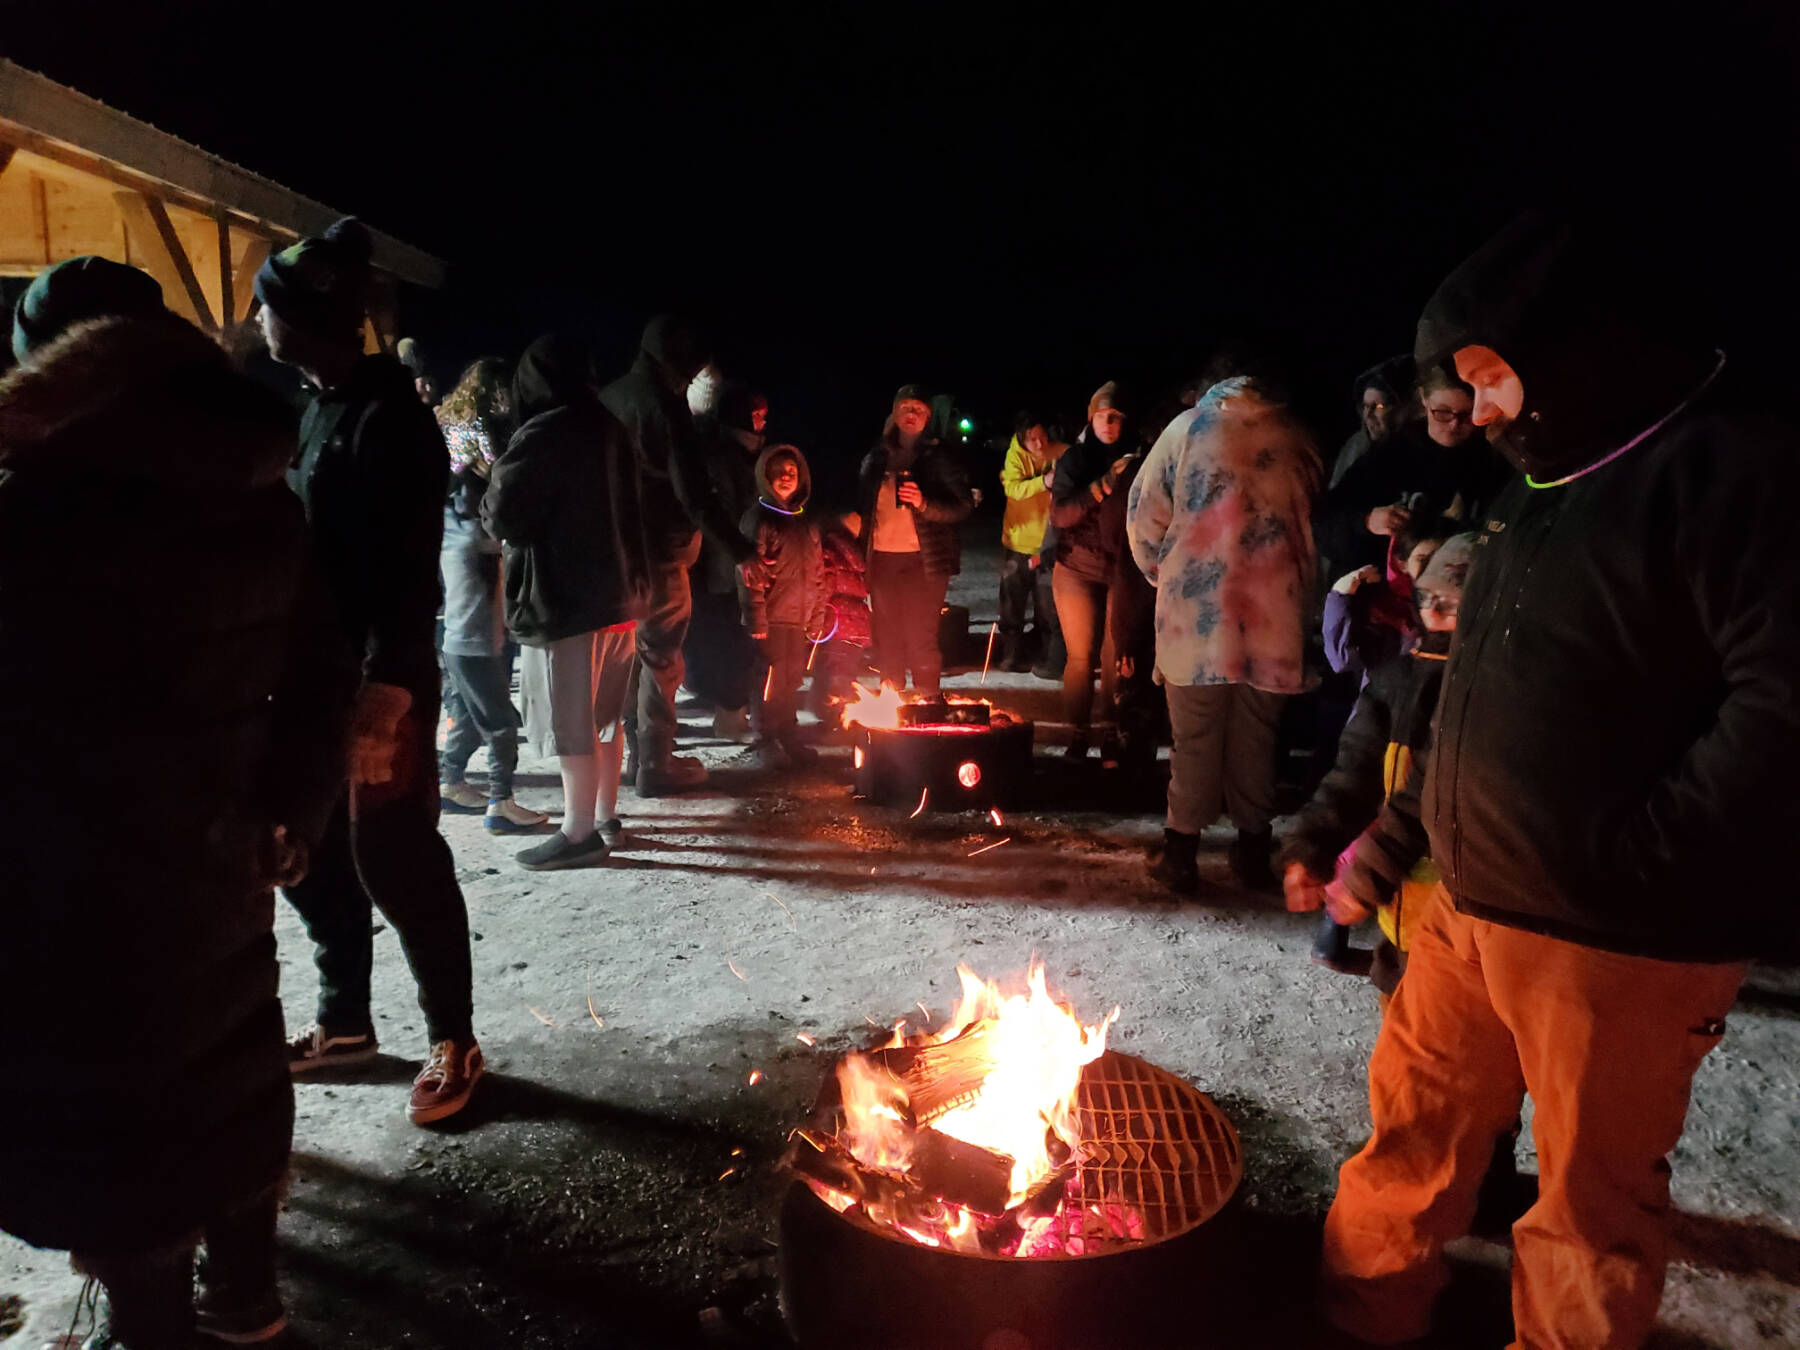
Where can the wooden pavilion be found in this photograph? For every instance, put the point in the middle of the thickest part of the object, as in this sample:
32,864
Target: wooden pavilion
78,177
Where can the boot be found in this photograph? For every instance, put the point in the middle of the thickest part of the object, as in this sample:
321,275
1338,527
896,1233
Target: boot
1250,860
1014,657
731,724
669,774
1177,868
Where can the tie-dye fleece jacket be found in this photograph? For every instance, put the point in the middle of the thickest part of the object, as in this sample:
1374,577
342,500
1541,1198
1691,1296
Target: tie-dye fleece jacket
1220,521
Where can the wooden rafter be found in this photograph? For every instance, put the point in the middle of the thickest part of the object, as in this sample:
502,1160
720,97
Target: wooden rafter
6,154
147,222
227,301
243,283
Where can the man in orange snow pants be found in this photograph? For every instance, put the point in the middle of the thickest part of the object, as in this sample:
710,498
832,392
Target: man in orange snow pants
1608,784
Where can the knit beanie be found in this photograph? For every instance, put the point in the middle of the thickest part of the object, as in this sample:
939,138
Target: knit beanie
912,393
1449,567
76,291
1108,395
321,285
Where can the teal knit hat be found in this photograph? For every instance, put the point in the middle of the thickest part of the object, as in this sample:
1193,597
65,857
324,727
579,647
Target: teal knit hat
321,285
75,291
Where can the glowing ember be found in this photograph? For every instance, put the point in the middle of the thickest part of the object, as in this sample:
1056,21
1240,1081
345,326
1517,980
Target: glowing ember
755,1077
805,1038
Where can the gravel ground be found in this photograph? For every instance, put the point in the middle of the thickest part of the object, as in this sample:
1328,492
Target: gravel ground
615,1183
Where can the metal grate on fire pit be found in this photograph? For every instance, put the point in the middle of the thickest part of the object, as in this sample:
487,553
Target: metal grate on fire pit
1152,1143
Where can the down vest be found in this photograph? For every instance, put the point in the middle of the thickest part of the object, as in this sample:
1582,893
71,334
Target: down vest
944,486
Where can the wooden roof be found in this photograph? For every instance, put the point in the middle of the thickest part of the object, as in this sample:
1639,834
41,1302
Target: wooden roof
78,177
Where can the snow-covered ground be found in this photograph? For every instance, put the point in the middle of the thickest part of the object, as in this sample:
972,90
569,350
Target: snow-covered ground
617,1176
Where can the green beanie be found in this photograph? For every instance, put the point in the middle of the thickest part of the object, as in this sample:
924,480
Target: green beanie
75,291
321,285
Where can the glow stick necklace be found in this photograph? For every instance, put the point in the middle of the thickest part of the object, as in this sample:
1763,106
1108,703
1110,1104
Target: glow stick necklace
1642,436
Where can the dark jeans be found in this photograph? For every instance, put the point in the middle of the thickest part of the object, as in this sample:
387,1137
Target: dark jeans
1021,587
151,1292
904,604
785,651
382,847
483,689
661,665
1137,703
721,656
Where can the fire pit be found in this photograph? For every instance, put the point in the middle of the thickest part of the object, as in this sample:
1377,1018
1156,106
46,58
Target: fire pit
1007,1183
943,754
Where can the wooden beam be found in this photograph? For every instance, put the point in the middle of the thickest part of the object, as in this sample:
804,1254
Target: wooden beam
6,154
40,217
243,283
53,120
163,256
227,302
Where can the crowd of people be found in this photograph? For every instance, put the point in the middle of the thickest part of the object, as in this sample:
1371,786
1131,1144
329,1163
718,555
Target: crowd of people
1547,575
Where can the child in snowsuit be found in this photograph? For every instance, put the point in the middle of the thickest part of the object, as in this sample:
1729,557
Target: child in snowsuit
781,589
1359,846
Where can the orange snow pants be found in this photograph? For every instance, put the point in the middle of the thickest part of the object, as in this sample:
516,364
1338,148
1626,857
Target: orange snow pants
1607,1045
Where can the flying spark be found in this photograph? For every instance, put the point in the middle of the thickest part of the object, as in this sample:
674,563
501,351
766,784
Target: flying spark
540,1016
590,1000
755,1077
995,628
727,1172
804,1038
924,795
735,971
994,815
986,848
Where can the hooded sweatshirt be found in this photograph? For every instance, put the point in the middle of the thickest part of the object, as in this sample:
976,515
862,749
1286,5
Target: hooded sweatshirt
564,502
1619,724
784,580
679,499
1027,496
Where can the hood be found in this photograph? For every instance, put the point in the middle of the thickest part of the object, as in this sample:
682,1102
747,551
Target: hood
554,372
675,348
144,398
1595,340
1394,377
766,495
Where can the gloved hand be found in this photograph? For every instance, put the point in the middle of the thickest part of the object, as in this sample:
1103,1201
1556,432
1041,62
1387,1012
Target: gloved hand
375,732
1304,892
1344,907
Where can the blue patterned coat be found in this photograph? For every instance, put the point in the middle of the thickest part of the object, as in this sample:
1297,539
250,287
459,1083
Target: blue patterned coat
1220,521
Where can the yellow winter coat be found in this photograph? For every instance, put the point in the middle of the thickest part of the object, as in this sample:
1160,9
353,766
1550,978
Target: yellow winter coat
1027,497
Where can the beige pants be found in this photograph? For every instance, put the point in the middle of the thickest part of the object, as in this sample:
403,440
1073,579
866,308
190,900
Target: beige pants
574,691
1223,755
1607,1045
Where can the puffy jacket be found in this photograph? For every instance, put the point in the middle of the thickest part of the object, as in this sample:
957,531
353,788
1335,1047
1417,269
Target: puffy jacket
372,472
1027,497
1620,720
1086,535
846,586
564,502
1220,522
167,642
942,483
784,579
1368,804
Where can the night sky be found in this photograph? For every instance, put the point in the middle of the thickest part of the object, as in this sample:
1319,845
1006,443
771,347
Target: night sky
1013,209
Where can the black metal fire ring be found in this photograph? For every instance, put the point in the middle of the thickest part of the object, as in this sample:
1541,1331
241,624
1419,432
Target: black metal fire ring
945,766
1146,1137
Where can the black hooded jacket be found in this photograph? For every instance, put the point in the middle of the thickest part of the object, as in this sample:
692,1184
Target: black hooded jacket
372,473
165,641
784,580
564,502
677,490
1620,721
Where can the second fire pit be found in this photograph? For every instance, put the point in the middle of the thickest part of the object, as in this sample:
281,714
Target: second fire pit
938,754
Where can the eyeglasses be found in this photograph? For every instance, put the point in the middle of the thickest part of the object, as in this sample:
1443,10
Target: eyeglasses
1447,417
1439,603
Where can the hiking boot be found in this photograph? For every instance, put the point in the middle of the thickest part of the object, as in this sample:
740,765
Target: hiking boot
1249,861
316,1047
459,799
731,724
559,852
445,1083
612,831
219,1317
508,817
1178,868
665,777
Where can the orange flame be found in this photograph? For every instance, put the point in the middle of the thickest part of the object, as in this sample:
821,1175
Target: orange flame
880,710
1039,1047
